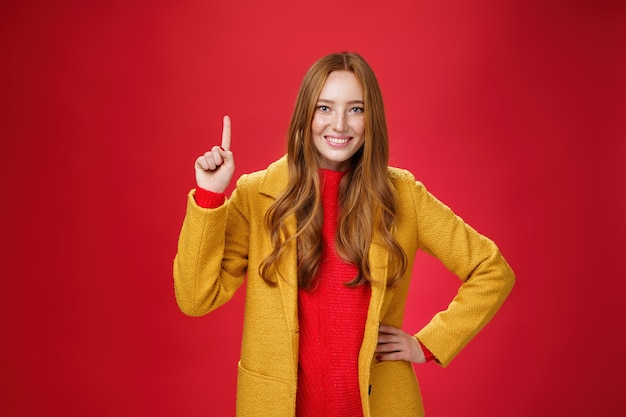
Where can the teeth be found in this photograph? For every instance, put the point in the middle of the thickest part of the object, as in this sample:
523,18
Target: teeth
336,141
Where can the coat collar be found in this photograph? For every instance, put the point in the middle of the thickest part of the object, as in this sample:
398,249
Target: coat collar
276,177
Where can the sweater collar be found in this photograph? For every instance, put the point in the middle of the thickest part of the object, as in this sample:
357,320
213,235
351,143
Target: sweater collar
277,175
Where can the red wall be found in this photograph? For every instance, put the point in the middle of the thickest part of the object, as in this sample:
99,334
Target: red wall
510,112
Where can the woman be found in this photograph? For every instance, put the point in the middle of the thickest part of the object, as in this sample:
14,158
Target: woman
327,237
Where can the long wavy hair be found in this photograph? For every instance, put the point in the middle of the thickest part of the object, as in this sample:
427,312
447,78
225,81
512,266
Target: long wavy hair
367,202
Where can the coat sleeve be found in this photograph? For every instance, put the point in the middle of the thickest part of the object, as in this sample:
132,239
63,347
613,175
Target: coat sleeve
212,256
486,277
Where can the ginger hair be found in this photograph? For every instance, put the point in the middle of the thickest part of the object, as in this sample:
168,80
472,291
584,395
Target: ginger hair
367,202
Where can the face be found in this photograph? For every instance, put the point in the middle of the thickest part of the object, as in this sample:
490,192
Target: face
338,126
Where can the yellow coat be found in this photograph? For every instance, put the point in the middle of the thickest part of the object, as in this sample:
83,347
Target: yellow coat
218,247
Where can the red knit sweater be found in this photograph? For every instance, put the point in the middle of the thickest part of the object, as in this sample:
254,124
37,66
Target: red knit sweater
332,321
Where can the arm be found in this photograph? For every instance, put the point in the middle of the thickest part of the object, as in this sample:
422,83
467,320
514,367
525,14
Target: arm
486,277
211,232
211,260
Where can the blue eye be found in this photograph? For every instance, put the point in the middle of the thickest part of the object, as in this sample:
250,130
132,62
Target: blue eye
323,108
357,110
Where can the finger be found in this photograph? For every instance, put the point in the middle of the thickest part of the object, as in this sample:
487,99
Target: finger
217,156
209,161
201,163
387,338
204,163
388,348
394,356
226,134
388,329
208,157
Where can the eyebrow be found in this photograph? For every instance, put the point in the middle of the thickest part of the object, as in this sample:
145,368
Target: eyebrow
323,100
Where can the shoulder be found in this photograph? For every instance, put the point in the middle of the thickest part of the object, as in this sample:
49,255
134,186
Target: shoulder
270,180
400,174
401,178
411,193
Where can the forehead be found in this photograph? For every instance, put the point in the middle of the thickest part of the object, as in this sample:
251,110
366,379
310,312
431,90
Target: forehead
342,85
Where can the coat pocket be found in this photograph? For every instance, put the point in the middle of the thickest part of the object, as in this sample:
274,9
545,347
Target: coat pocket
394,391
260,395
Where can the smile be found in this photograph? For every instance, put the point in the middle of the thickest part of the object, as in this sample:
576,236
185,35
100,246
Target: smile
337,140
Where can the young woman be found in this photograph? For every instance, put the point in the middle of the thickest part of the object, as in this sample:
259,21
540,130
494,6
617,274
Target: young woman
327,237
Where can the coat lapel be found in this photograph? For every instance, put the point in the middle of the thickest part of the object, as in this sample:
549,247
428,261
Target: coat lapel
272,186
378,259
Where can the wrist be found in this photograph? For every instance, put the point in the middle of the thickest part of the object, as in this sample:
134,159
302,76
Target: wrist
428,355
208,199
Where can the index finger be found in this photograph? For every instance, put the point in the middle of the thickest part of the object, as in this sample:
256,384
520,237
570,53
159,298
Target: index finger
226,134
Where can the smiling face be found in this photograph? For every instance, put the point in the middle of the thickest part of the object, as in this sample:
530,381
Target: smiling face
338,126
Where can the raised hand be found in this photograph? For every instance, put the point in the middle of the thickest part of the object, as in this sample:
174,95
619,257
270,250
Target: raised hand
396,345
215,168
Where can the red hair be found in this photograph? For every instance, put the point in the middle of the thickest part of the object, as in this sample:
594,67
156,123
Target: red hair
367,199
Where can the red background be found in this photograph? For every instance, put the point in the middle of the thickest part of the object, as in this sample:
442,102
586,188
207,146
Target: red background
511,112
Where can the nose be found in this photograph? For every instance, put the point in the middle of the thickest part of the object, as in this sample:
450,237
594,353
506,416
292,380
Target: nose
339,122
